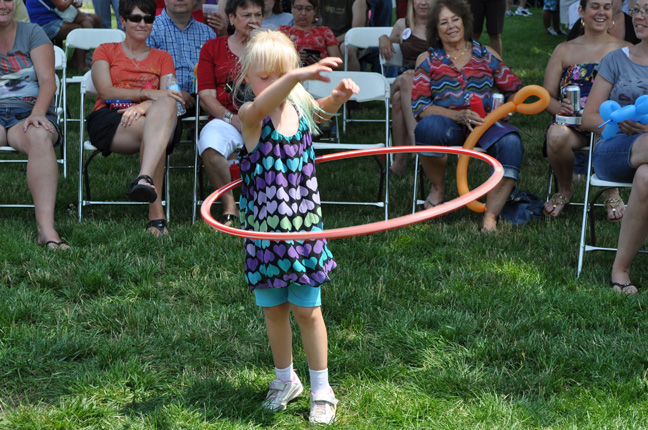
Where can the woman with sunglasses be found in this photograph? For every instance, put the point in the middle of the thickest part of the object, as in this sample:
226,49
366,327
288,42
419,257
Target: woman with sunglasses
624,157
134,113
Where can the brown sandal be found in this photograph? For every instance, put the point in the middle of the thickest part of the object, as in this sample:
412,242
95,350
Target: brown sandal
557,201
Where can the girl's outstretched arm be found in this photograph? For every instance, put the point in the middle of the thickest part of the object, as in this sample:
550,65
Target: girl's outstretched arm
252,113
331,104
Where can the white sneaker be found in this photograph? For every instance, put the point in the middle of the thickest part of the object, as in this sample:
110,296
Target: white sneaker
523,12
551,31
508,13
281,393
322,408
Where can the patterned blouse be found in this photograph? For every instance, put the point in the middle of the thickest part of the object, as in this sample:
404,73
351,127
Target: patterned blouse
438,82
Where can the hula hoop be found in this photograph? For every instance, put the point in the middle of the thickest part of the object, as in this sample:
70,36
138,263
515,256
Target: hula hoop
375,227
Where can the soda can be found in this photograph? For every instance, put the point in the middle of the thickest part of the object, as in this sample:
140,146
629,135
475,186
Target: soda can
498,100
573,94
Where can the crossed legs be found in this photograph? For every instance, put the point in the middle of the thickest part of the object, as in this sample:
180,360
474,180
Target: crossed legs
150,136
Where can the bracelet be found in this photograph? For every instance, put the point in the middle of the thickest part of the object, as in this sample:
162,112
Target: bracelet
228,117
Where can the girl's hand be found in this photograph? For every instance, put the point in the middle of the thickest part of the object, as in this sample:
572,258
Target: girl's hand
132,114
344,90
38,121
630,127
566,108
314,71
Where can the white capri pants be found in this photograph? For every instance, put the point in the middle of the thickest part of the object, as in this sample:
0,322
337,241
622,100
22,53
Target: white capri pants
221,137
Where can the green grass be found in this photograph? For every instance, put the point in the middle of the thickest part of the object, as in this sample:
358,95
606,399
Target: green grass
430,326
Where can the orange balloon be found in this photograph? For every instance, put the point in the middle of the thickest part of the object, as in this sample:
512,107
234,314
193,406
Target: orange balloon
517,105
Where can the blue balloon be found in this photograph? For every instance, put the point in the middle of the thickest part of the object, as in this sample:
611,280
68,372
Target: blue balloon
607,107
610,130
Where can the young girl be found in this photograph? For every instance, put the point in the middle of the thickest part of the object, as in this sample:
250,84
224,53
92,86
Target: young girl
280,194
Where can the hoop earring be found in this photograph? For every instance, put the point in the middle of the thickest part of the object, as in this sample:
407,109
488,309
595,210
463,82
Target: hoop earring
582,23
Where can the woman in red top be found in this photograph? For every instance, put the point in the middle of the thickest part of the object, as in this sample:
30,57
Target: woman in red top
217,73
132,71
309,38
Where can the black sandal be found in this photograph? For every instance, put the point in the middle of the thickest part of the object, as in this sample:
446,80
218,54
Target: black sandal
225,218
140,192
159,224
622,287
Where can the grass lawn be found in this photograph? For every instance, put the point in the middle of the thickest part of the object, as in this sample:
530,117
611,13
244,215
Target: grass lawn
432,326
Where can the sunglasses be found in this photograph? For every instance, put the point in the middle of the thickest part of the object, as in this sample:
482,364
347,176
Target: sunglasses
138,18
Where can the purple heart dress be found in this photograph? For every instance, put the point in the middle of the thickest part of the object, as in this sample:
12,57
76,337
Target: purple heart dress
280,194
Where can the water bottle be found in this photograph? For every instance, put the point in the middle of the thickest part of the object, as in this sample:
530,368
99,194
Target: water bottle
172,84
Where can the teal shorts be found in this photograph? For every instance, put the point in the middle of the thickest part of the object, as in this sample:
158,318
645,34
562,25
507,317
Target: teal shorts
297,294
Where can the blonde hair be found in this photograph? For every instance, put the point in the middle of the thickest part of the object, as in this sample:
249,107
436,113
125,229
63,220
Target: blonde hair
273,51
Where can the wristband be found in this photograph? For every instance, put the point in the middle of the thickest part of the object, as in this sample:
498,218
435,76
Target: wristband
228,117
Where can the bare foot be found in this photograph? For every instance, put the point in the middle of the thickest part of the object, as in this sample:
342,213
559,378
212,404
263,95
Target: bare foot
489,224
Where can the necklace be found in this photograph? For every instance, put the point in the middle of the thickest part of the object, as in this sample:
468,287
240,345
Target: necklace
133,57
458,56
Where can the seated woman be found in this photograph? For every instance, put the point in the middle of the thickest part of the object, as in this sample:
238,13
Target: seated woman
217,73
624,156
574,63
28,120
455,70
274,16
312,42
410,34
42,12
132,71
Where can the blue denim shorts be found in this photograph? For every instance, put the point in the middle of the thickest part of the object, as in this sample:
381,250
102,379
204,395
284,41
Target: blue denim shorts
52,28
611,159
11,116
439,130
297,294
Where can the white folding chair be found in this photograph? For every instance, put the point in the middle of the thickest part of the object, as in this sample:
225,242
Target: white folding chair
361,38
88,89
594,181
373,87
82,38
8,150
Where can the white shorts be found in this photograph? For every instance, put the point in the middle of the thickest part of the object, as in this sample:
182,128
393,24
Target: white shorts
221,137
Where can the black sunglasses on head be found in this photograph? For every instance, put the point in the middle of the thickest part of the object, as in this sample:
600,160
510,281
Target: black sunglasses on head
138,18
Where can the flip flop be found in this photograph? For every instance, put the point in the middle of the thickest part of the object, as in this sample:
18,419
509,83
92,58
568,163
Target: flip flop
159,224
622,287
142,193
52,245
227,218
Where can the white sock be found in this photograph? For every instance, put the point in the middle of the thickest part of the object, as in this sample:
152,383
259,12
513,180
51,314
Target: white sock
286,374
319,381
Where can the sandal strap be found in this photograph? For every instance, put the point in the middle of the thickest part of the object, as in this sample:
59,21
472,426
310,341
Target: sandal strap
147,178
613,203
160,224
559,199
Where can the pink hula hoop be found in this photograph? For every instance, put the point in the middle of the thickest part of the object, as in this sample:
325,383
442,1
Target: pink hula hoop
375,227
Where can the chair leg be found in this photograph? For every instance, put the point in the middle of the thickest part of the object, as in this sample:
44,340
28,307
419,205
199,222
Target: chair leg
86,176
